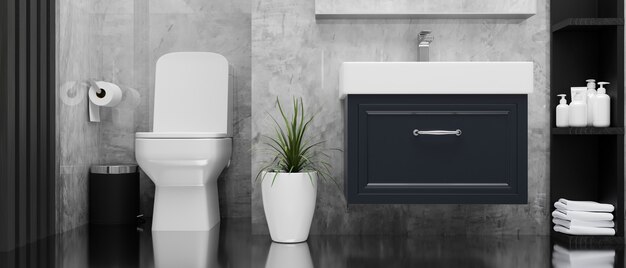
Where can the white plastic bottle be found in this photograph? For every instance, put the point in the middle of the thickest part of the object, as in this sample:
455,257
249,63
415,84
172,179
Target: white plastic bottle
578,111
591,84
562,112
576,90
602,112
591,99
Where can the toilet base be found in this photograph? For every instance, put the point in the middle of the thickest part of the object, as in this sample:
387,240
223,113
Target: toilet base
186,208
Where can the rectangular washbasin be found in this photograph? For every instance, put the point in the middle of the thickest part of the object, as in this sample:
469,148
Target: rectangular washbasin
436,78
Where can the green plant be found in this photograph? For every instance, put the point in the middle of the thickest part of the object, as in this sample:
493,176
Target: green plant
292,149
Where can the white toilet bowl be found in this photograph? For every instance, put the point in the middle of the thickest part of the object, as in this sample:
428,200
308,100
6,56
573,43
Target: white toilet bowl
185,172
191,142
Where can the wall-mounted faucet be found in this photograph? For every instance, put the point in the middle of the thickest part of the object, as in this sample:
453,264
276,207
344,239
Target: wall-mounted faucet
424,39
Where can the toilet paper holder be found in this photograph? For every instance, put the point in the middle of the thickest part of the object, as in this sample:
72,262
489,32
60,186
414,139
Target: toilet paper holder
94,110
92,83
102,94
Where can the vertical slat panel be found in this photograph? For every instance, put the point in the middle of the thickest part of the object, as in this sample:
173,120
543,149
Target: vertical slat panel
32,254
33,112
21,122
20,127
43,87
51,120
3,124
11,122
27,128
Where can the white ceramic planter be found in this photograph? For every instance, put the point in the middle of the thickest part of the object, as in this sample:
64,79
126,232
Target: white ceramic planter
289,205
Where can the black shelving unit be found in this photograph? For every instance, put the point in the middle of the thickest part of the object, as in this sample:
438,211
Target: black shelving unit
588,163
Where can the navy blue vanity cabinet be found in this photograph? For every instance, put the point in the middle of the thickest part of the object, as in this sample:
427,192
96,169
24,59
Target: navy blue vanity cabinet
436,149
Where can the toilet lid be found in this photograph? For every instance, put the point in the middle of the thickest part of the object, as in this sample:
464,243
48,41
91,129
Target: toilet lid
180,135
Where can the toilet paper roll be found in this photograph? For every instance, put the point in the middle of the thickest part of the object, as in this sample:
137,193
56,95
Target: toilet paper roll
108,94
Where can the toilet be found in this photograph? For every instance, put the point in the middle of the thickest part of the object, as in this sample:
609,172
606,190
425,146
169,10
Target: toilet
191,142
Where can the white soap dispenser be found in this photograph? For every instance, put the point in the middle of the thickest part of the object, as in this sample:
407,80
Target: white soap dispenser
578,111
562,112
602,112
591,99
591,84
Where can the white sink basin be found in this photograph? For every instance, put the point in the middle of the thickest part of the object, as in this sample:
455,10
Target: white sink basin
436,78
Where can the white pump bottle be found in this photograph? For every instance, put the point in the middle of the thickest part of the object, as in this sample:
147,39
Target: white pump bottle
578,110
591,100
602,109
562,112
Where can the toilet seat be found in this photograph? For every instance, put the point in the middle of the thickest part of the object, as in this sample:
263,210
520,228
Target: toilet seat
180,135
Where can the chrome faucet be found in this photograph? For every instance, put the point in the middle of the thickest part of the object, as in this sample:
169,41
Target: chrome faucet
424,39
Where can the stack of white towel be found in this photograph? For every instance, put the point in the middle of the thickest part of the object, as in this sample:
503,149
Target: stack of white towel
583,218
564,258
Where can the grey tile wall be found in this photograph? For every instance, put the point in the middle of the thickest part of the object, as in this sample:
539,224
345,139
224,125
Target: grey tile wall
120,41
77,139
295,55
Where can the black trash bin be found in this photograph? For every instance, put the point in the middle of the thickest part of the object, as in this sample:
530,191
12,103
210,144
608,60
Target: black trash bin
113,195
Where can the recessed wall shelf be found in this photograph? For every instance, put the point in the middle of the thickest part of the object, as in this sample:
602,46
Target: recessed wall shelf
588,131
586,23
587,41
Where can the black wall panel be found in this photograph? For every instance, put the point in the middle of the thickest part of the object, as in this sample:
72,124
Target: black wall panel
27,121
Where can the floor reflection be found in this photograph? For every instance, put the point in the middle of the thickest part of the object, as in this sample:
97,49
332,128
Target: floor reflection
587,255
231,245
289,255
430,251
113,246
598,258
185,249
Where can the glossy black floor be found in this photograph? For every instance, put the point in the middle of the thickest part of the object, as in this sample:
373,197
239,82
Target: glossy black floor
231,245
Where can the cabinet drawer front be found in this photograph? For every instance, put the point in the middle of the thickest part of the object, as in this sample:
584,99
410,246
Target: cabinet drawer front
440,146
479,155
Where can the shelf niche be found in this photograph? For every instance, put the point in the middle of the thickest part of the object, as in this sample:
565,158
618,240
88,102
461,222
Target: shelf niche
587,41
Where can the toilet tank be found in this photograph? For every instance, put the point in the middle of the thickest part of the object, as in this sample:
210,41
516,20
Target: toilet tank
192,93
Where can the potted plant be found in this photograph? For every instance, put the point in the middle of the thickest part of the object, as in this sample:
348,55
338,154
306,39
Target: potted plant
289,180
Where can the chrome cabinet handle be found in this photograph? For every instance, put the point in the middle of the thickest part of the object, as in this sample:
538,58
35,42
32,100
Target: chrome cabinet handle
417,132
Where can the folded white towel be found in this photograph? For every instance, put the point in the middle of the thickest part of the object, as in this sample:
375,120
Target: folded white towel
576,230
583,206
566,223
582,215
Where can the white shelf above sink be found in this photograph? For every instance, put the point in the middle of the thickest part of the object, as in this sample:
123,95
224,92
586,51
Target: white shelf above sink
436,78
425,9
440,15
